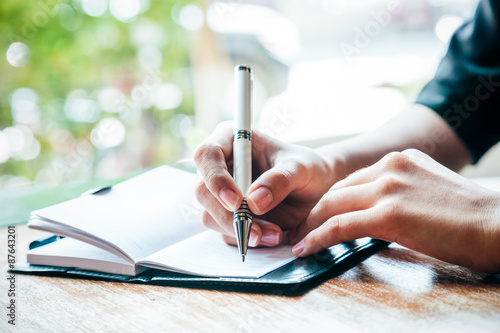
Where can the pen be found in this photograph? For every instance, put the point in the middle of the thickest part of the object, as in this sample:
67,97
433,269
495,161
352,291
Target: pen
242,153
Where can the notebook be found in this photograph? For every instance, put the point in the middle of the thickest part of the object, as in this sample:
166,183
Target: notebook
148,229
149,221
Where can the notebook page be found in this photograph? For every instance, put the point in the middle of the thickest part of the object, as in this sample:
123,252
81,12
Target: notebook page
69,252
141,215
207,255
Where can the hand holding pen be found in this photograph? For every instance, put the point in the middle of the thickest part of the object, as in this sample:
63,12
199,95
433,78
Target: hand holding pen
289,181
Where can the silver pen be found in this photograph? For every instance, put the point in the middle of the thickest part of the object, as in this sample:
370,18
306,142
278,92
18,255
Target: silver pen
242,153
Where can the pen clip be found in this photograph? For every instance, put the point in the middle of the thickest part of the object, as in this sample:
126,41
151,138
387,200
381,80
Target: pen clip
97,190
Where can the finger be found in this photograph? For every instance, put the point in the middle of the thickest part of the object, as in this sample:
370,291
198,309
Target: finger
211,159
211,223
219,219
338,229
221,216
272,235
274,185
336,202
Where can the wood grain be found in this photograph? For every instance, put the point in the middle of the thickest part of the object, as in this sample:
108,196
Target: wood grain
396,290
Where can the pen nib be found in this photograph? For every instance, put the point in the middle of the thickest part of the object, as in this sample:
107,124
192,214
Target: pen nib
242,258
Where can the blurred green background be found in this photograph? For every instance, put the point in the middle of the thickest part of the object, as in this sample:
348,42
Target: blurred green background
92,88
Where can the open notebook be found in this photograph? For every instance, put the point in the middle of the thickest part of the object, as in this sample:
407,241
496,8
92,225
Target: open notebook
149,221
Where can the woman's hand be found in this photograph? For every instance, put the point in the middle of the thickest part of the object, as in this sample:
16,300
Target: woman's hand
288,182
410,199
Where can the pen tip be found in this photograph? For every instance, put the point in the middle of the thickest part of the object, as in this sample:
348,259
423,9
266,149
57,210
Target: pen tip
243,258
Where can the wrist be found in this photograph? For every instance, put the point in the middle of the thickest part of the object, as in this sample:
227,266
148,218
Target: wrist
491,228
496,227
334,164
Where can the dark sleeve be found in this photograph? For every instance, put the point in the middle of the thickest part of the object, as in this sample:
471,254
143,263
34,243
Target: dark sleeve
466,88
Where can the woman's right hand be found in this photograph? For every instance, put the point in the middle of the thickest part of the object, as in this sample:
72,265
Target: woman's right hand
288,182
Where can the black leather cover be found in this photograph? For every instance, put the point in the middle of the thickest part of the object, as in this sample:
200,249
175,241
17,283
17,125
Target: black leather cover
293,278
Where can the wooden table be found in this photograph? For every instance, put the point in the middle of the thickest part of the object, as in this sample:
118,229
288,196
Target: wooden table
397,290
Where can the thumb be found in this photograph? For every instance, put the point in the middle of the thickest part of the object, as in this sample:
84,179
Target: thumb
272,187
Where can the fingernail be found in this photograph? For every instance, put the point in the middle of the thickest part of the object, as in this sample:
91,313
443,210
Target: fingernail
254,238
261,198
298,248
229,198
270,237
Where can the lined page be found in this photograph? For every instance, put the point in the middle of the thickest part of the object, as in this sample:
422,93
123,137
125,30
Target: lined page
206,254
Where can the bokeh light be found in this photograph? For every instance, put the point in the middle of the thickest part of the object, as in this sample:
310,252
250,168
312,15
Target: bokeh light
191,17
168,96
4,147
29,152
68,17
108,36
24,106
181,125
145,33
446,26
19,143
94,7
18,54
150,57
109,132
19,137
125,10
110,99
79,108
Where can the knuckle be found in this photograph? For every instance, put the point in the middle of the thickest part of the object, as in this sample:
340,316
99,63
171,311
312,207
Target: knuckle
397,161
392,210
332,230
213,177
200,152
324,204
391,184
300,168
334,225
389,220
283,178
209,152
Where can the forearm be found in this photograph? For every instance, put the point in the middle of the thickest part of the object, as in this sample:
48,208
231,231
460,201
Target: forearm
418,127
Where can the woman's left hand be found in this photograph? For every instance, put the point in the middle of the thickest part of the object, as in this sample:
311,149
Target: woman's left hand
410,199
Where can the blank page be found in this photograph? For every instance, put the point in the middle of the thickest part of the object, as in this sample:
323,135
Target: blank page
69,252
140,216
206,254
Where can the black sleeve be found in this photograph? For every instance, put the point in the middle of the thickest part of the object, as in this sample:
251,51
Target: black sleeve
465,91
